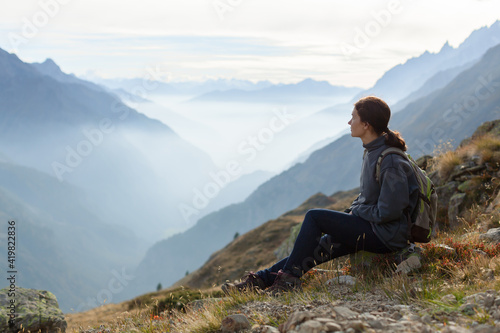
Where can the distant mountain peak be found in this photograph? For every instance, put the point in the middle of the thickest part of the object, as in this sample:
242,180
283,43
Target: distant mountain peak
48,66
403,79
446,47
50,62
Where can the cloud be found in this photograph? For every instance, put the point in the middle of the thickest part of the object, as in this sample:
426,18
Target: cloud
285,40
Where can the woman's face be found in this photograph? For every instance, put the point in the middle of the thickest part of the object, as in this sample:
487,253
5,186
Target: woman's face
358,127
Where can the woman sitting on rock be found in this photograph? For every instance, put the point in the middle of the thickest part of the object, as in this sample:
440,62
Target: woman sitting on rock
375,222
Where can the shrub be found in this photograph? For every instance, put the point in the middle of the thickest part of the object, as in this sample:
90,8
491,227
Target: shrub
179,298
446,258
446,163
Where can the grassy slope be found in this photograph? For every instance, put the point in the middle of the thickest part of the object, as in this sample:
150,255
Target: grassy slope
255,249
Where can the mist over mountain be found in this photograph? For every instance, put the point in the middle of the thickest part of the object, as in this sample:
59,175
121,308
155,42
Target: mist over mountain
61,244
95,180
437,81
450,113
305,91
188,88
91,139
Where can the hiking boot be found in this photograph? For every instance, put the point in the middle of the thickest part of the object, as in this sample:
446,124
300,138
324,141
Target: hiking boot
284,282
251,282
409,251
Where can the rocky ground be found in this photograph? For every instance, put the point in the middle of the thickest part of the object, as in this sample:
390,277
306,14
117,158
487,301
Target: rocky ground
372,311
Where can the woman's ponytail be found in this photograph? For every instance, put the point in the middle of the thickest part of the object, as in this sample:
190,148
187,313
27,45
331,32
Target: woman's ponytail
394,139
377,113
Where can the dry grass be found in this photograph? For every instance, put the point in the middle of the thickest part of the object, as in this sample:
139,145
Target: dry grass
463,272
446,162
486,147
472,267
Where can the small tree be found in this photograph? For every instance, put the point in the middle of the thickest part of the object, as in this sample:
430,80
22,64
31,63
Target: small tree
159,287
236,235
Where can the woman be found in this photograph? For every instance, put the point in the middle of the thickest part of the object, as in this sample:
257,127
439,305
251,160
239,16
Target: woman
375,222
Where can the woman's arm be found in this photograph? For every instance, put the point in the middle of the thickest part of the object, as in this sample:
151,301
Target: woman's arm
393,199
354,204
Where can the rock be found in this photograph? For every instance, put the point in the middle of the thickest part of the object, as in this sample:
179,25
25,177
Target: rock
485,329
409,265
454,208
495,204
496,314
374,323
296,319
434,177
311,326
492,235
488,275
264,329
481,253
471,185
468,168
427,319
200,304
396,316
424,161
36,310
489,301
235,323
343,279
448,249
345,313
468,309
357,325
329,325
454,329
450,299
445,193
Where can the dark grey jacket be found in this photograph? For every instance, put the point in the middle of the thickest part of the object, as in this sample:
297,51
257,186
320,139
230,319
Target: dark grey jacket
384,205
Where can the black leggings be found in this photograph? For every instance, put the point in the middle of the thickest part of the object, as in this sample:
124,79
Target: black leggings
344,234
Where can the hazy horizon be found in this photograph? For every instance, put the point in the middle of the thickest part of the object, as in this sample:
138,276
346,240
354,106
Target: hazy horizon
350,44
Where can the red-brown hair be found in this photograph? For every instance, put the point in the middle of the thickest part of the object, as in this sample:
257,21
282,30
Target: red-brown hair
377,113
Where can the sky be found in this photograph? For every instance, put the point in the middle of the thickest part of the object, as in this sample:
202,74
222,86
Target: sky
346,43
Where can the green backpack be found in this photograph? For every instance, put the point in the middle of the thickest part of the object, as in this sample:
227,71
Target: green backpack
423,220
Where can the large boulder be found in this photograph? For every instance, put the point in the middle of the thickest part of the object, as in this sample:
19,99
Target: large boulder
493,235
34,310
454,208
444,192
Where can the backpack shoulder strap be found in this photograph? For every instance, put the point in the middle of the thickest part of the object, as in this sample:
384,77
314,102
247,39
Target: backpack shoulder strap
390,150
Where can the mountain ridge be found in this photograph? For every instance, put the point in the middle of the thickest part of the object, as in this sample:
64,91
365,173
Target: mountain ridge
403,79
303,90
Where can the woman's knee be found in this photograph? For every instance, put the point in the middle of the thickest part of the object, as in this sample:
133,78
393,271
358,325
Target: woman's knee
311,214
